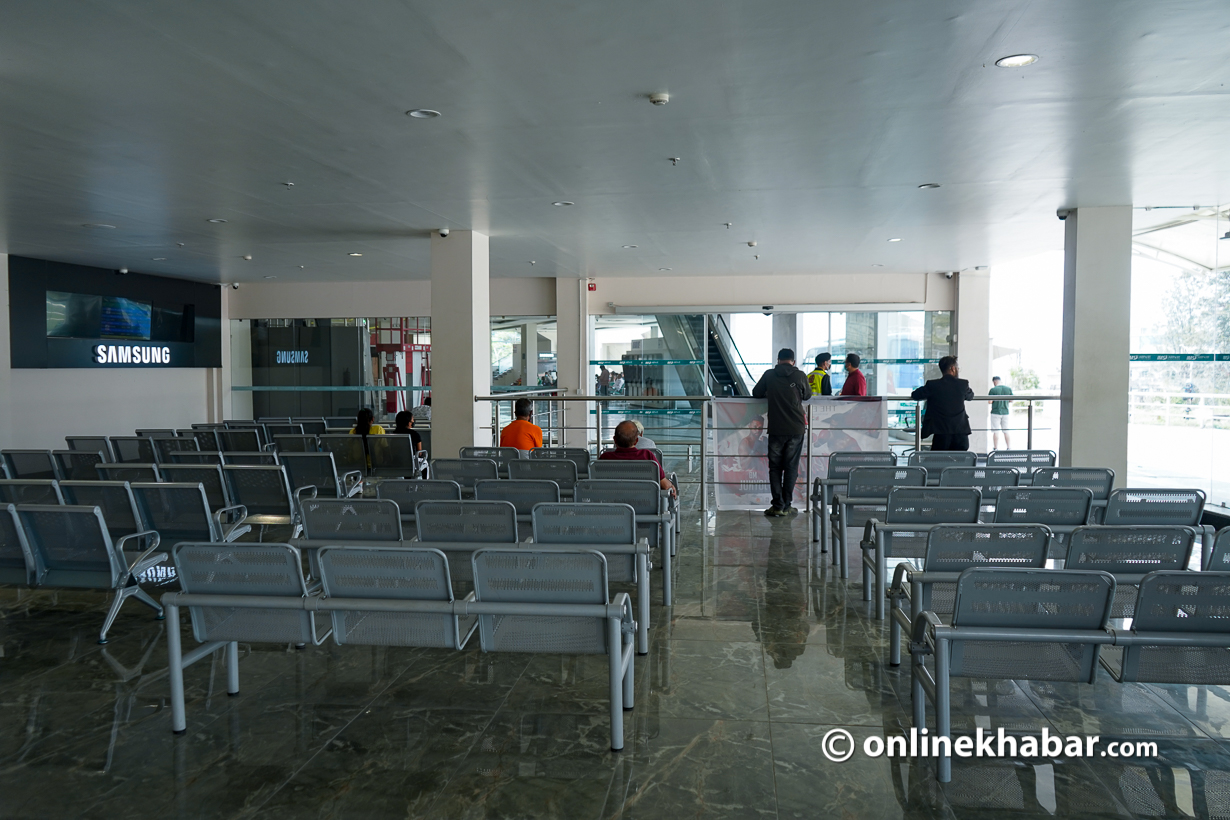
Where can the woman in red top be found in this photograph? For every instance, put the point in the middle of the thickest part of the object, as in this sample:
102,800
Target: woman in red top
856,383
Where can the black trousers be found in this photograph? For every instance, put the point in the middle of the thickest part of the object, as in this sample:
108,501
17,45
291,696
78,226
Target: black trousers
784,452
950,441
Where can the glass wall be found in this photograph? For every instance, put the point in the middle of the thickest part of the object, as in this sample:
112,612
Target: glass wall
1179,394
523,352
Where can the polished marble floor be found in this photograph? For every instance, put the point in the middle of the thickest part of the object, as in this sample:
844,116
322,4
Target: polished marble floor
757,660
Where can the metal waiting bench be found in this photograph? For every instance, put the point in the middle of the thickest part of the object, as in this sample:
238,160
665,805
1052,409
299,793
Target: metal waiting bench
525,600
522,493
839,467
867,488
408,492
614,468
654,521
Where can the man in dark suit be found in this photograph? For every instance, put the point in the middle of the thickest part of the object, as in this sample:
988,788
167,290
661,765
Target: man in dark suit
945,419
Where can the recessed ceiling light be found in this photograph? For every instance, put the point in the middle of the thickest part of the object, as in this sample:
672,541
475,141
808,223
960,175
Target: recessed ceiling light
876,265
97,225
356,254
929,185
562,203
895,239
1017,60
629,246
271,277
664,268
218,221
159,259
423,113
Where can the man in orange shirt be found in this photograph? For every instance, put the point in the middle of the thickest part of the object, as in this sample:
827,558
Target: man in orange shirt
522,433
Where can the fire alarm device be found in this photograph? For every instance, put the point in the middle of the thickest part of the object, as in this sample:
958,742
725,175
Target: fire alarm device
593,286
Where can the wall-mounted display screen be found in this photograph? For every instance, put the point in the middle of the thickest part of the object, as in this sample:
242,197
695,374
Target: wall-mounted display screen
89,316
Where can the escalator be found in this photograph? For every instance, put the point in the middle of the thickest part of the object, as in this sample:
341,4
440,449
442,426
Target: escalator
685,338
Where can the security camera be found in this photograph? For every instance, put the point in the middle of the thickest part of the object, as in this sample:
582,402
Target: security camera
1062,213
950,274
444,232
234,286
122,270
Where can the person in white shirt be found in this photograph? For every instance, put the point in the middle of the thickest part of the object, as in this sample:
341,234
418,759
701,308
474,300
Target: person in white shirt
643,442
423,411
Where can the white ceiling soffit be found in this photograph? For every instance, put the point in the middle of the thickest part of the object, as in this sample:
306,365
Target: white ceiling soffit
806,126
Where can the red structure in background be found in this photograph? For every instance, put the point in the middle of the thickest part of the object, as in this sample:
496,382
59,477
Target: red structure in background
404,361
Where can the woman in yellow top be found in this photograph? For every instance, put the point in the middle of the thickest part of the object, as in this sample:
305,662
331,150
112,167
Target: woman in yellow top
364,426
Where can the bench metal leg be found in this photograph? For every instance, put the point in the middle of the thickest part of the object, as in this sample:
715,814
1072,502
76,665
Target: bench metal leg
629,659
918,695
642,603
122,595
232,668
666,576
615,645
881,590
175,669
894,636
943,704
841,547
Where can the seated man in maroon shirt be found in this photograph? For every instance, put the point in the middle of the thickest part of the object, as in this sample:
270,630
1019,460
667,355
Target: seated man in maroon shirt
626,435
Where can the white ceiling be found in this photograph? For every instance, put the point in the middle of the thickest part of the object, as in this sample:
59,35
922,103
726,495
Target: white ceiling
808,125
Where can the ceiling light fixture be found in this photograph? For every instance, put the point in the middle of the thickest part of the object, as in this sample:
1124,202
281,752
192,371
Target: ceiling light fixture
97,225
1017,60
247,257
629,246
665,269
218,221
895,239
562,203
271,277
926,186
159,259
356,254
423,113
876,265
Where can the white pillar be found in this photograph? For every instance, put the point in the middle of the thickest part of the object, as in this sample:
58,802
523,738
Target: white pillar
1097,279
785,334
974,352
529,354
460,341
572,356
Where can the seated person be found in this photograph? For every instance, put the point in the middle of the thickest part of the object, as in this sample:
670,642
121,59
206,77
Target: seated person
364,426
626,450
423,411
643,442
403,425
521,432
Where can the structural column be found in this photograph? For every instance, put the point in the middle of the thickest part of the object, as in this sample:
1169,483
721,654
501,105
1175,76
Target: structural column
1097,278
529,354
460,341
974,353
785,334
572,356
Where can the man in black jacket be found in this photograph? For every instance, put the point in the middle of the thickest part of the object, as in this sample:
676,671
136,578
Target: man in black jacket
945,419
786,388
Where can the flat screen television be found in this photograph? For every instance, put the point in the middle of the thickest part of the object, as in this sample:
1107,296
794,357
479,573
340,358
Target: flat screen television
88,316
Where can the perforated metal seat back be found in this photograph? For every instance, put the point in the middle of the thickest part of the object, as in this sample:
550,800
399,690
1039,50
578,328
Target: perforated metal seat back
1130,550
297,444
1098,480
351,519
644,497
957,547
1059,506
488,522
208,476
312,426
127,471
523,494
249,569
1219,558
1155,506
562,471
577,455
239,441
114,498
30,491
584,524
90,444
615,469
164,446
78,465
878,482
401,573
990,480
152,432
500,455
15,559
465,471
205,439
254,459
275,430
347,451
840,464
178,512
1027,460
71,546
406,493
933,505
197,458
263,490
1027,599
313,470
133,449
30,464
392,455
530,576
1178,601
937,460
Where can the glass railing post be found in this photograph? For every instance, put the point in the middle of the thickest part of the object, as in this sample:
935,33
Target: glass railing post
1029,426
917,427
704,456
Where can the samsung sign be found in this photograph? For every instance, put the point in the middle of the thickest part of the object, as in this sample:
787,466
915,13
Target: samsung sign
131,354
291,357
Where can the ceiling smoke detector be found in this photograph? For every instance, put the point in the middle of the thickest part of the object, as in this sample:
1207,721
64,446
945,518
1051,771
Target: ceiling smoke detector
661,98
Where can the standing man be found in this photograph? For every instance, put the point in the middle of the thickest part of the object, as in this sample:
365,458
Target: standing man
856,382
945,419
821,384
999,414
786,389
604,381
